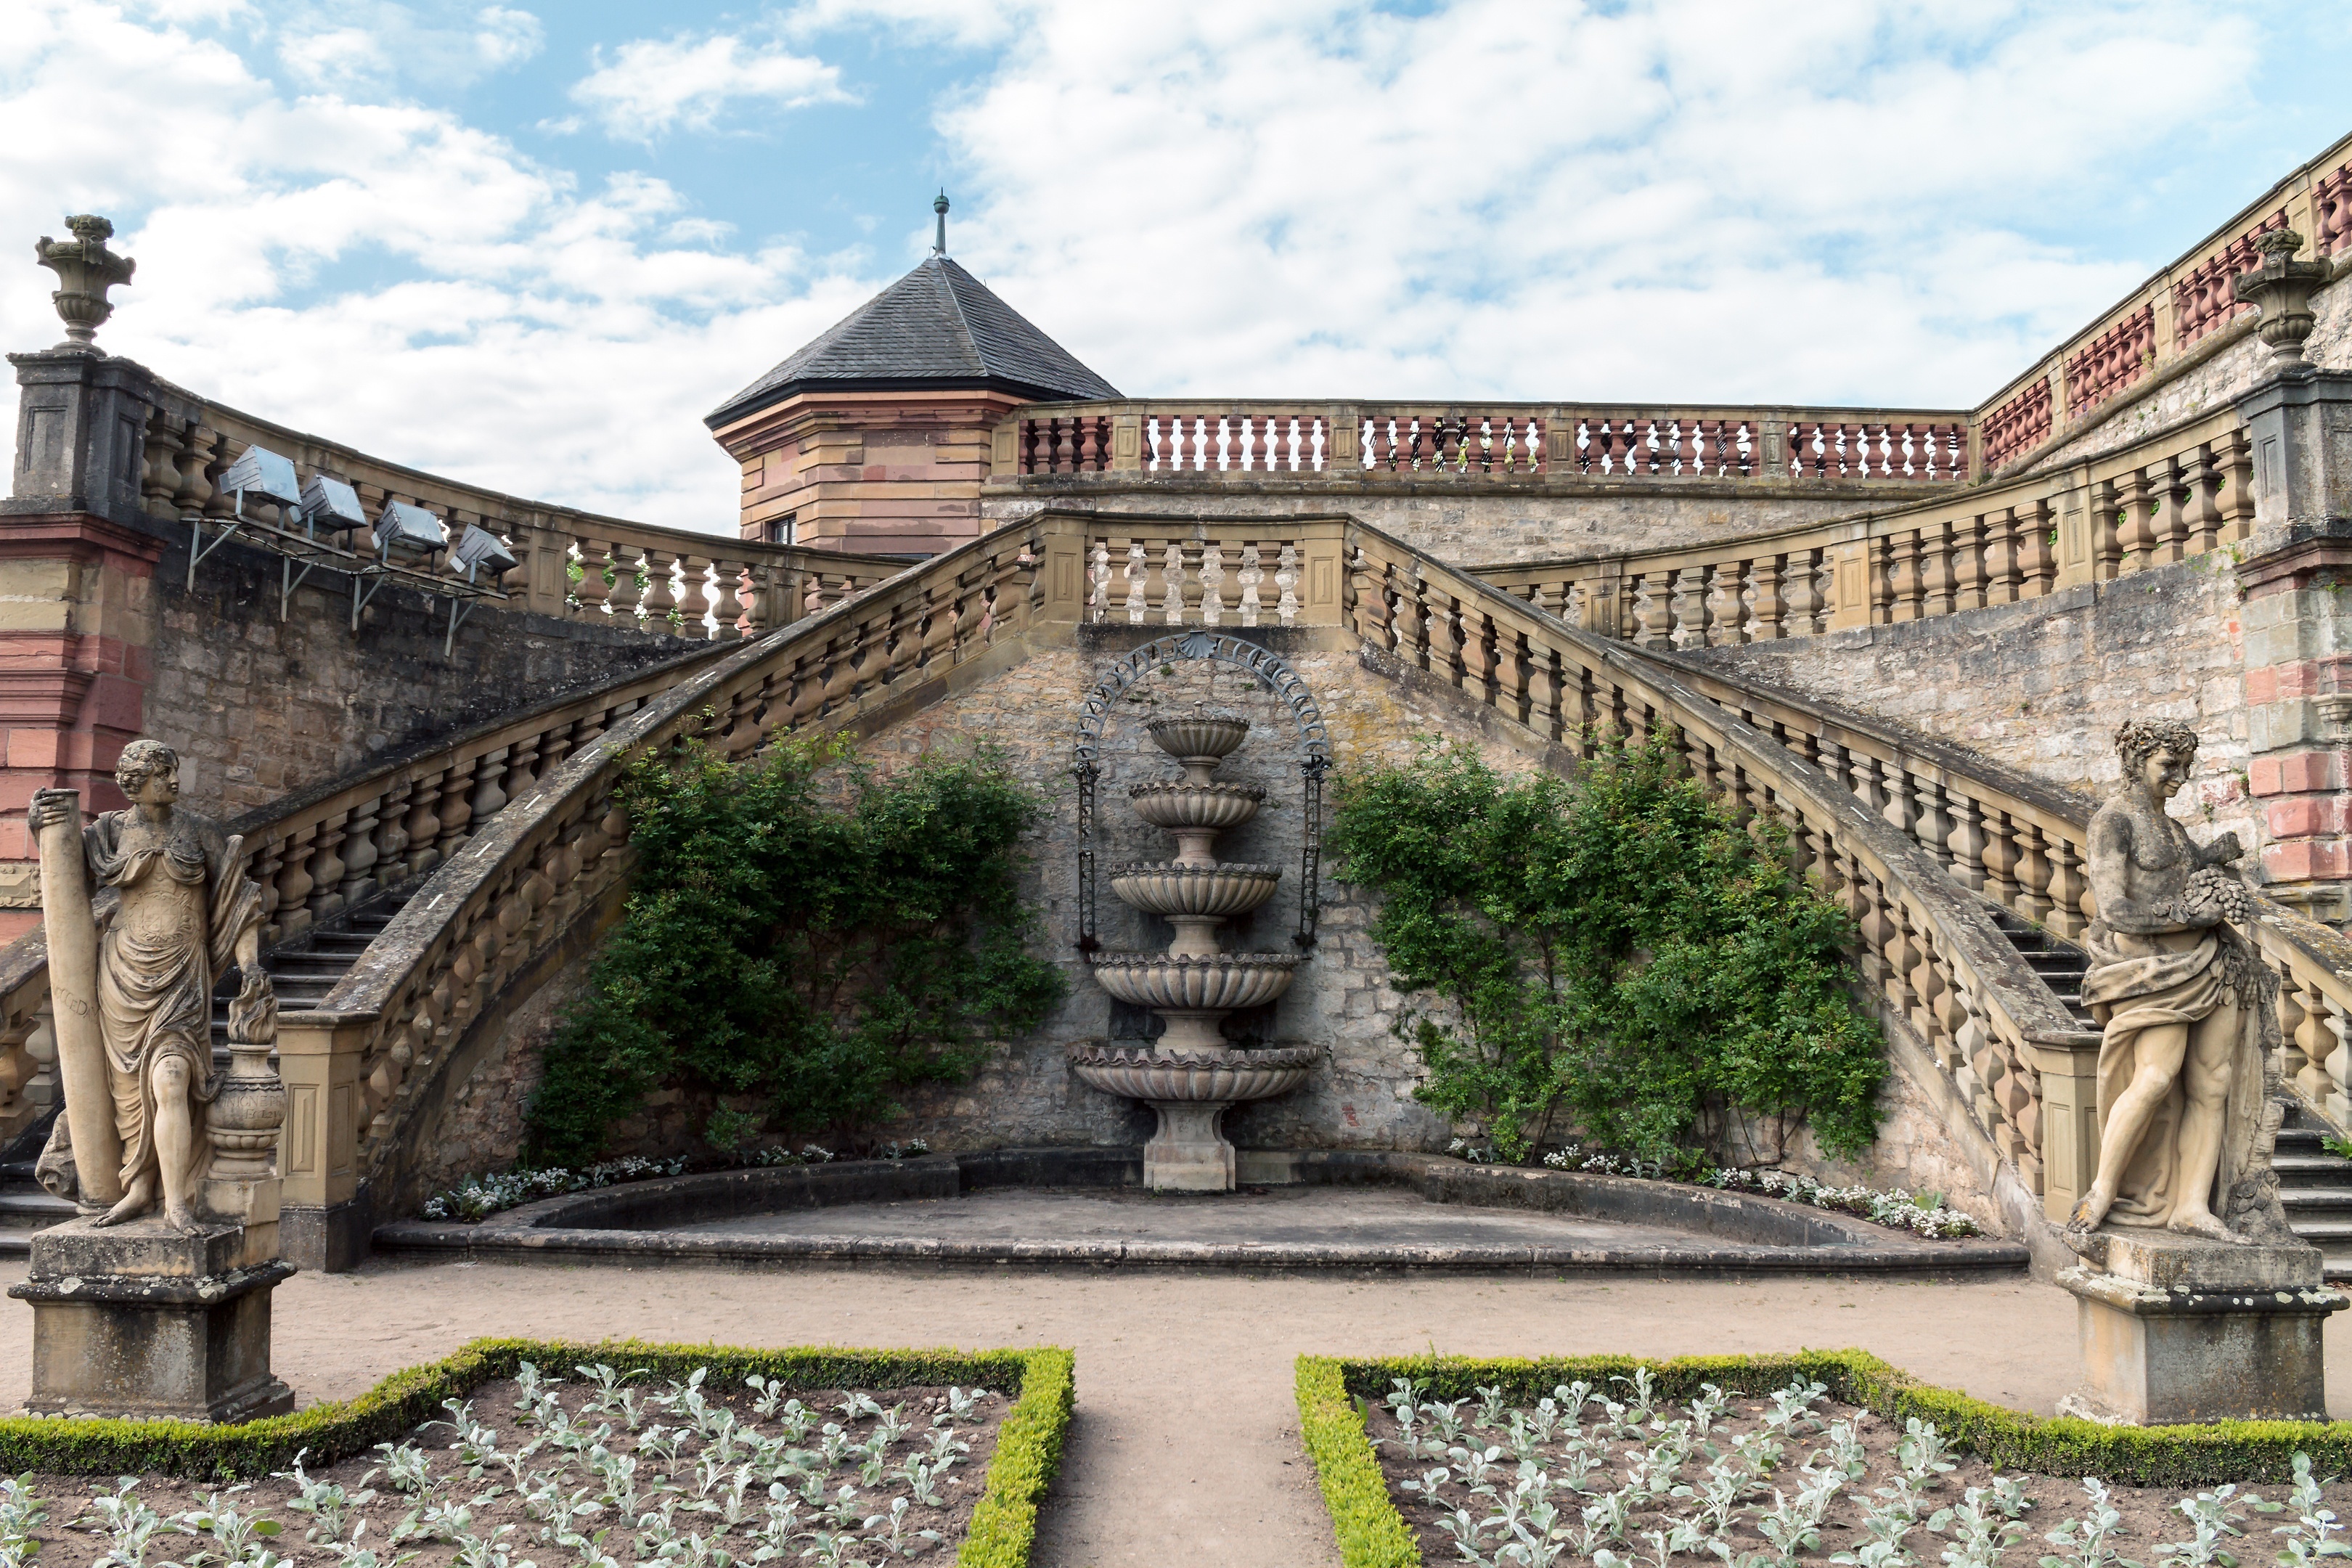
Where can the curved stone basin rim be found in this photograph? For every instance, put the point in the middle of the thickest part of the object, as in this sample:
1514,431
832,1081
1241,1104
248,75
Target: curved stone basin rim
1729,1232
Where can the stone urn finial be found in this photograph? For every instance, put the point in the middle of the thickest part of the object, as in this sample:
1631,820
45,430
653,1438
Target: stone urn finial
2282,287
87,269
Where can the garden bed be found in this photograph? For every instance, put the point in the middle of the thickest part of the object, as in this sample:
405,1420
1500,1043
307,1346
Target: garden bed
1783,1459
580,1454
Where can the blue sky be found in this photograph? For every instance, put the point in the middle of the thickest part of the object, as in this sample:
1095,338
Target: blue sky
530,243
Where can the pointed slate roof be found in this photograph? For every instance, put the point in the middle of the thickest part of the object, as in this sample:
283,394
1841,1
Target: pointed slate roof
938,328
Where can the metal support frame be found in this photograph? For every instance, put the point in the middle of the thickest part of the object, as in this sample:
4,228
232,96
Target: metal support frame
1272,672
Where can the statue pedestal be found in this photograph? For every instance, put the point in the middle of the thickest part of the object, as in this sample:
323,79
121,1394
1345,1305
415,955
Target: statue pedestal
2179,1329
141,1320
1189,1153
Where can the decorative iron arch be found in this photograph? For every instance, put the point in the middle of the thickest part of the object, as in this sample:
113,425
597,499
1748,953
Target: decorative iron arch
1275,673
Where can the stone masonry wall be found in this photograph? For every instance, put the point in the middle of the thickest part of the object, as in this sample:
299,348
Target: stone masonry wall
1360,1097
2042,684
258,707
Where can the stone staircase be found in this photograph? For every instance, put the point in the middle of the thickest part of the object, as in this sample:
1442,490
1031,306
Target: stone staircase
2059,962
303,972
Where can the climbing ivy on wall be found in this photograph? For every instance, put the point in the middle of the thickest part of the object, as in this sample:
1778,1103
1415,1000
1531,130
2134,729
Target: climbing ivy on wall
1616,957
818,942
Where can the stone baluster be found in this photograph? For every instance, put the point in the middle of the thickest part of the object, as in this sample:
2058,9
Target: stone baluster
726,602
629,580
359,853
693,599
2002,580
1690,608
2170,523
1099,583
1771,609
2337,1100
1652,619
2068,887
295,883
391,833
1896,807
1969,573
454,807
2234,455
2001,853
522,768
2203,486
1285,581
1932,827
1806,601
1247,581
159,479
1727,606
1137,574
591,591
489,794
1213,584
1448,640
2107,540
1905,590
660,600
1965,845
327,867
1171,585
2037,566
2032,874
2135,534
425,822
2313,1037
1937,582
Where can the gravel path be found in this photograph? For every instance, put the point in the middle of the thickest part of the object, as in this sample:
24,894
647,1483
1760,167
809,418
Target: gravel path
1186,1433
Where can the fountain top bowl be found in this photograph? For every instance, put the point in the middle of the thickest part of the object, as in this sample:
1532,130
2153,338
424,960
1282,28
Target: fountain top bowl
1200,733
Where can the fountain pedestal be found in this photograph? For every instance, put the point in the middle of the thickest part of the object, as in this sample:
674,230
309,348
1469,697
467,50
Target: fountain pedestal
1189,1076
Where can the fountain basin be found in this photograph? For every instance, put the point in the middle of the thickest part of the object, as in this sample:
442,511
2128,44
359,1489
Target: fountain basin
1170,889
1224,1078
1221,984
1198,733
1211,805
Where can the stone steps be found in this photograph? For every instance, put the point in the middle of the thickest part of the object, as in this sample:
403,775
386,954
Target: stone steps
303,972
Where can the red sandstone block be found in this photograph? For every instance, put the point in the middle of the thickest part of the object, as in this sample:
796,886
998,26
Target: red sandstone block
2308,815
15,841
2308,861
113,704
15,923
16,788
29,748
2296,773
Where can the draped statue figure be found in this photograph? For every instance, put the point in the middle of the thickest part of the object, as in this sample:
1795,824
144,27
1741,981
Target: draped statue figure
2190,1047
173,908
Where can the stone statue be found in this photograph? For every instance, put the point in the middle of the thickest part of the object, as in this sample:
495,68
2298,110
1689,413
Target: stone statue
173,908
2192,1036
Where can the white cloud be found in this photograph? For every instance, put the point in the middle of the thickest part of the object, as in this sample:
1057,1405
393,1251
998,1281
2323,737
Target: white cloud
1696,199
504,37
539,337
652,84
361,46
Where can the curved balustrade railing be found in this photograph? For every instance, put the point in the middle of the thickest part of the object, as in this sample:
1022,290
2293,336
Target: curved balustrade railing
2022,842
494,908
1929,948
2181,492
572,564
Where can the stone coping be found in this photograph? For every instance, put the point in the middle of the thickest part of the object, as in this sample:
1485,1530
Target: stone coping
1731,1233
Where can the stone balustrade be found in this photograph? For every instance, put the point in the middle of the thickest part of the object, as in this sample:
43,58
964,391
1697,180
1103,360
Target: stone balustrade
1510,442
665,582
1279,573
28,1053
2178,317
2015,1059
513,888
2181,492
2023,845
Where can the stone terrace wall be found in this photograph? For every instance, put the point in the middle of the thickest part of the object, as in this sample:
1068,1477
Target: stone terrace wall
1471,527
258,707
2041,685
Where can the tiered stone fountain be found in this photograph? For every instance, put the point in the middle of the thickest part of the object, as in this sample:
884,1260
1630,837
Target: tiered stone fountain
1190,1076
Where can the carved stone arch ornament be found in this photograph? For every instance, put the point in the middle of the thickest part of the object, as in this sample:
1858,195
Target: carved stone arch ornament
1272,672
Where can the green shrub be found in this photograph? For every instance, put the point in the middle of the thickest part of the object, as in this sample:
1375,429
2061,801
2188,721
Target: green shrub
815,959
1370,1532
1618,952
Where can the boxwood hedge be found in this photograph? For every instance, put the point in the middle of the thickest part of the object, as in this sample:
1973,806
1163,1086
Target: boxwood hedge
1003,1523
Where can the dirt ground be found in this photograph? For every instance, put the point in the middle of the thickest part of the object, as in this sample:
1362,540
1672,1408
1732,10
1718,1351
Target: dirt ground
1186,1429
